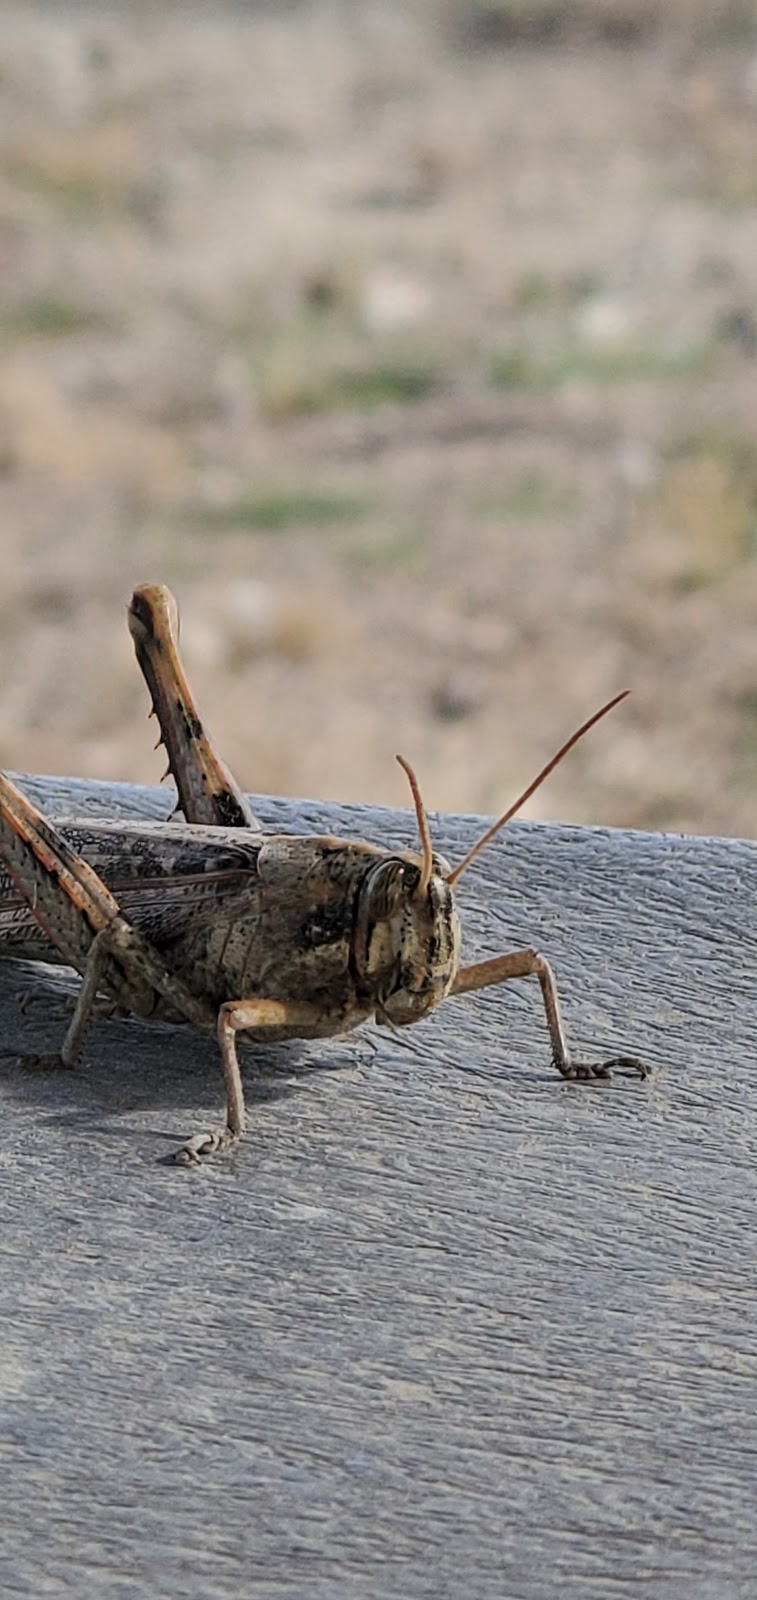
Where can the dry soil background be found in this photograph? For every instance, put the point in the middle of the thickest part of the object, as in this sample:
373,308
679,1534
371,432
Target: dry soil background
414,346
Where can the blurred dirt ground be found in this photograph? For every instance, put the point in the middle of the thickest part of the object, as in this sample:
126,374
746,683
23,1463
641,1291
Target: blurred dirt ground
414,346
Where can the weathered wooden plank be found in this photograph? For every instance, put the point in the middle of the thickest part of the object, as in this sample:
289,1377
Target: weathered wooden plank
444,1324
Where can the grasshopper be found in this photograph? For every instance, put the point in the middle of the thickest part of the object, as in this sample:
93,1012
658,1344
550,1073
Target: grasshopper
211,922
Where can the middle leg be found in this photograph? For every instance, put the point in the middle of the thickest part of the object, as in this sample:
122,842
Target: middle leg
237,1016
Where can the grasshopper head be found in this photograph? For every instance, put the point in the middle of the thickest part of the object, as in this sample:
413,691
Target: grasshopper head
406,942
406,937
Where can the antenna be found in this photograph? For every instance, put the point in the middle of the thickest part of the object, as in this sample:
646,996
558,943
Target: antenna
532,787
423,828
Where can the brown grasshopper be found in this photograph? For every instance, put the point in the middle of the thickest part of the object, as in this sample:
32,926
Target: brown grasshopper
213,923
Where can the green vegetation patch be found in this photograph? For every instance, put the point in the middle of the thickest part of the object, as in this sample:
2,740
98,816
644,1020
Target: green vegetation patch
43,316
519,369
388,383
533,494
276,511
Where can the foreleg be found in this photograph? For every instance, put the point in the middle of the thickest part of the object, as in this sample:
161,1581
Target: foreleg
526,964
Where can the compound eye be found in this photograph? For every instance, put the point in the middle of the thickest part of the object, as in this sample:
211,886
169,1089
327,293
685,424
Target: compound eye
387,889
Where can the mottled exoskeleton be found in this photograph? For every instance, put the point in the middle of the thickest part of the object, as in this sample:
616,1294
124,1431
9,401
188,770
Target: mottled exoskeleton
209,921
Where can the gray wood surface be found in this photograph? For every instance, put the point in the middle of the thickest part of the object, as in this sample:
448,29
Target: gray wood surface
444,1325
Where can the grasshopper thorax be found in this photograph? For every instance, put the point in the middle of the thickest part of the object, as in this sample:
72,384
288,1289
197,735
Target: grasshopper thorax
406,937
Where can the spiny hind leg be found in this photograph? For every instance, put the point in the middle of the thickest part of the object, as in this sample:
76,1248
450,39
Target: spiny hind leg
81,918
67,898
207,791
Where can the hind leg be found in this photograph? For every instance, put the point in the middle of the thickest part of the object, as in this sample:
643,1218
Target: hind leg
207,791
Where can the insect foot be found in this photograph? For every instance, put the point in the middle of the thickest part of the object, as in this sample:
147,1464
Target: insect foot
193,1153
585,1072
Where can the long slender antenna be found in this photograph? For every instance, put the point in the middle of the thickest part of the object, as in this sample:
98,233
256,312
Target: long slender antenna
532,787
423,828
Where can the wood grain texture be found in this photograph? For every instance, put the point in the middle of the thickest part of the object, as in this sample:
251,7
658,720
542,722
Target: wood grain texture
444,1325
